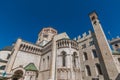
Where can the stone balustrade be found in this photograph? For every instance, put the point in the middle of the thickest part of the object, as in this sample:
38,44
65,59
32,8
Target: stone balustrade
67,43
28,47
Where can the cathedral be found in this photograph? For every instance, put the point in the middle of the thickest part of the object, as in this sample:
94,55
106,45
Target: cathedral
55,56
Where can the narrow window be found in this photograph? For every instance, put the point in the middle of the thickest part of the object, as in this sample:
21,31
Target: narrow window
83,46
2,67
85,57
8,56
88,72
99,71
91,43
43,61
94,53
63,58
44,64
119,60
48,61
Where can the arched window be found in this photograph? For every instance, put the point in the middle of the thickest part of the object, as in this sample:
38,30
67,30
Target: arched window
44,63
26,48
2,67
74,58
17,75
99,71
21,46
88,71
63,58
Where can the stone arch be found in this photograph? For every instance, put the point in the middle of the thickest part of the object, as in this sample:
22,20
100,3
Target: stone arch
26,48
67,43
18,73
21,46
60,43
29,48
36,51
33,49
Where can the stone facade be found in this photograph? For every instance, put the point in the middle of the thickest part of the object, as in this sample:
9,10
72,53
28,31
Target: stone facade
57,57
116,51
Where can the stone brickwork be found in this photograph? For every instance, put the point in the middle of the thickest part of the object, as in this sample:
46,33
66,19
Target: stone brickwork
105,58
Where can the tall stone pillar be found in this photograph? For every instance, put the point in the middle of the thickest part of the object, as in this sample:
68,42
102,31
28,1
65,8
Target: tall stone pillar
106,60
13,56
53,62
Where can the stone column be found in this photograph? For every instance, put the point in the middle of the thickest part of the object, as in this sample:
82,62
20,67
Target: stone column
53,62
71,64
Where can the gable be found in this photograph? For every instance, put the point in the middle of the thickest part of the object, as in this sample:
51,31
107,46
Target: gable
31,67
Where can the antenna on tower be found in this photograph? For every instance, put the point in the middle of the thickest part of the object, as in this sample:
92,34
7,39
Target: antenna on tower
110,36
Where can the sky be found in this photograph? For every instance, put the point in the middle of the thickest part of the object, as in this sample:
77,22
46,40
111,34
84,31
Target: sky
25,18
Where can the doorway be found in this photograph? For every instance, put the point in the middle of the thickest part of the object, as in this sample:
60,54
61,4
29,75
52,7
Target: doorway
17,75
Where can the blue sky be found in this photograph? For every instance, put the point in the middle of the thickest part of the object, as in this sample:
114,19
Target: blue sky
25,18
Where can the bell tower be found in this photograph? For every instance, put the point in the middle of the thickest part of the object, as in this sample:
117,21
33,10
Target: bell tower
45,36
105,56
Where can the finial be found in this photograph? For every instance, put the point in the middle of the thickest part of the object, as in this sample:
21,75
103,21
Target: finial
84,34
75,39
79,37
89,31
